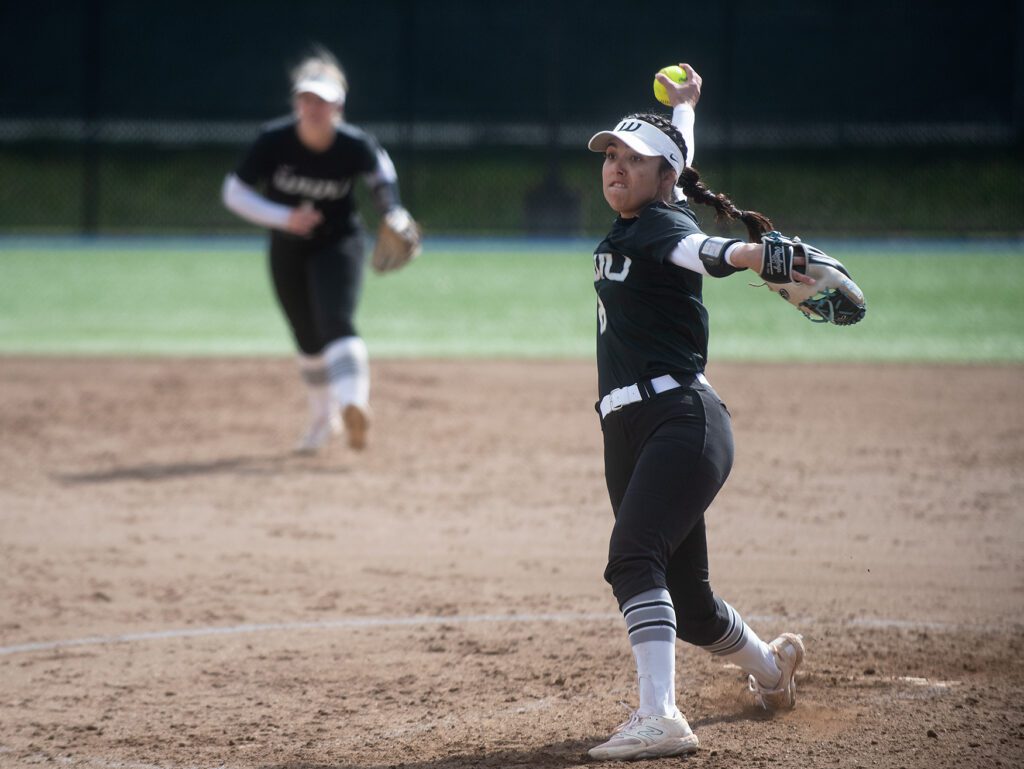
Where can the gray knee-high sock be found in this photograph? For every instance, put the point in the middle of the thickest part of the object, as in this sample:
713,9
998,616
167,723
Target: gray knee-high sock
313,369
348,370
742,647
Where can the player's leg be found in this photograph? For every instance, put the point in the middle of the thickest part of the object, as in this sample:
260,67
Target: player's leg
645,604
678,470
290,276
709,622
666,439
336,285
324,418
771,667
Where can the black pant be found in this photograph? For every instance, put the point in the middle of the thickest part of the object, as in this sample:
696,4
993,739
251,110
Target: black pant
318,287
665,460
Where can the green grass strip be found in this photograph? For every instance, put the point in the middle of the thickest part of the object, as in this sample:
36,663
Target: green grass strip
936,304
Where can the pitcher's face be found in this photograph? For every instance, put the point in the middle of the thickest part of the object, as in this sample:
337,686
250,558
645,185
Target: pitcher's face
630,180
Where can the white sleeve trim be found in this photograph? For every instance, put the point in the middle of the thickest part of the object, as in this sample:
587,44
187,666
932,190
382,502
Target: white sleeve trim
244,201
384,173
684,118
686,254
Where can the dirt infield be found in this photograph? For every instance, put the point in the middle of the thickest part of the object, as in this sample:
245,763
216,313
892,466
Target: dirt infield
178,590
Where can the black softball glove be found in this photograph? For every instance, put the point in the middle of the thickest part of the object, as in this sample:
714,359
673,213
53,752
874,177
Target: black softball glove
834,297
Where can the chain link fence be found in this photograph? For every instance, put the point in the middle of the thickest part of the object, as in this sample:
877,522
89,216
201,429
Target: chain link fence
893,117
143,184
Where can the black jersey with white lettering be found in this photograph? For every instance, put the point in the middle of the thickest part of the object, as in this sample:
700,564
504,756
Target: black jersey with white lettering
285,171
651,318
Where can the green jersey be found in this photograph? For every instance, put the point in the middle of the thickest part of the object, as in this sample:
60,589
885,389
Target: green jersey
651,319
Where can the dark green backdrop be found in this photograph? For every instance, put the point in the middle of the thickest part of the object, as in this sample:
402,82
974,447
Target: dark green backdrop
869,118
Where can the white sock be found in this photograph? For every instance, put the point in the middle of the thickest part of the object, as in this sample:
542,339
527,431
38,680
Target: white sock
348,371
650,621
755,658
313,369
742,647
656,677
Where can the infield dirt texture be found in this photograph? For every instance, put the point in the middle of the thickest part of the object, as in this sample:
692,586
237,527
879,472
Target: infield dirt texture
411,590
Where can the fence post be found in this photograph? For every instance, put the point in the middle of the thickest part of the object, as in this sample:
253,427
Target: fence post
1017,79
92,33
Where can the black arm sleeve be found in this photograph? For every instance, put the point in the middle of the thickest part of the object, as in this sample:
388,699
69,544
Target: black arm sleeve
382,179
712,254
385,196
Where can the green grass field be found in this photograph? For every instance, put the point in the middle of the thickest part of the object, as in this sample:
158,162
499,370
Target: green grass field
501,299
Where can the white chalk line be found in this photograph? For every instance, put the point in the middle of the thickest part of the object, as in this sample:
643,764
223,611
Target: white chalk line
470,619
352,623
70,760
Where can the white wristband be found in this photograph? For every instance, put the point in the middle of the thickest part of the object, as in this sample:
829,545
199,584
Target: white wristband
728,253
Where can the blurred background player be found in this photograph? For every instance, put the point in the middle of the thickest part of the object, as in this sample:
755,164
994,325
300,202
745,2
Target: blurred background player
668,445
297,179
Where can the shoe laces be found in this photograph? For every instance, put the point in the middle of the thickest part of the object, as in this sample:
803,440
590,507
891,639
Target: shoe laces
761,691
634,718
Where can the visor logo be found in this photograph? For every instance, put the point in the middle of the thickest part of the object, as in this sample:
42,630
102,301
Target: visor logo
629,125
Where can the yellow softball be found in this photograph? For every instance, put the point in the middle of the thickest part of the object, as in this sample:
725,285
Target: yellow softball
677,74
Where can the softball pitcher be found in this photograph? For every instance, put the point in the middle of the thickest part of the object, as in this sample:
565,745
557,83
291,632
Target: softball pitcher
297,179
668,443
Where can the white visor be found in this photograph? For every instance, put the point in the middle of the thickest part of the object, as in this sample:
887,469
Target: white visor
326,88
640,136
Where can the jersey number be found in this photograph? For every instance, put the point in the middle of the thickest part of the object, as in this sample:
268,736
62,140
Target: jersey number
604,268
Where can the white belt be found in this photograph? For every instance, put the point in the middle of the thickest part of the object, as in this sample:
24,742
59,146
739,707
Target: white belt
623,396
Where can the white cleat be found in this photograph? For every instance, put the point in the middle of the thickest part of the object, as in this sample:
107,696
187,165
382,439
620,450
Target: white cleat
357,424
319,433
648,737
788,650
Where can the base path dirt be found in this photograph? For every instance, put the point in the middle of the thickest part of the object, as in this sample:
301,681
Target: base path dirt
178,589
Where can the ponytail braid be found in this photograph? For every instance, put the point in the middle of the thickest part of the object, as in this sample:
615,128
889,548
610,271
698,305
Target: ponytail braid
757,224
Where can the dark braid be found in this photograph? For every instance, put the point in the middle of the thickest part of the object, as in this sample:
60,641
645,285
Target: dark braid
689,180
